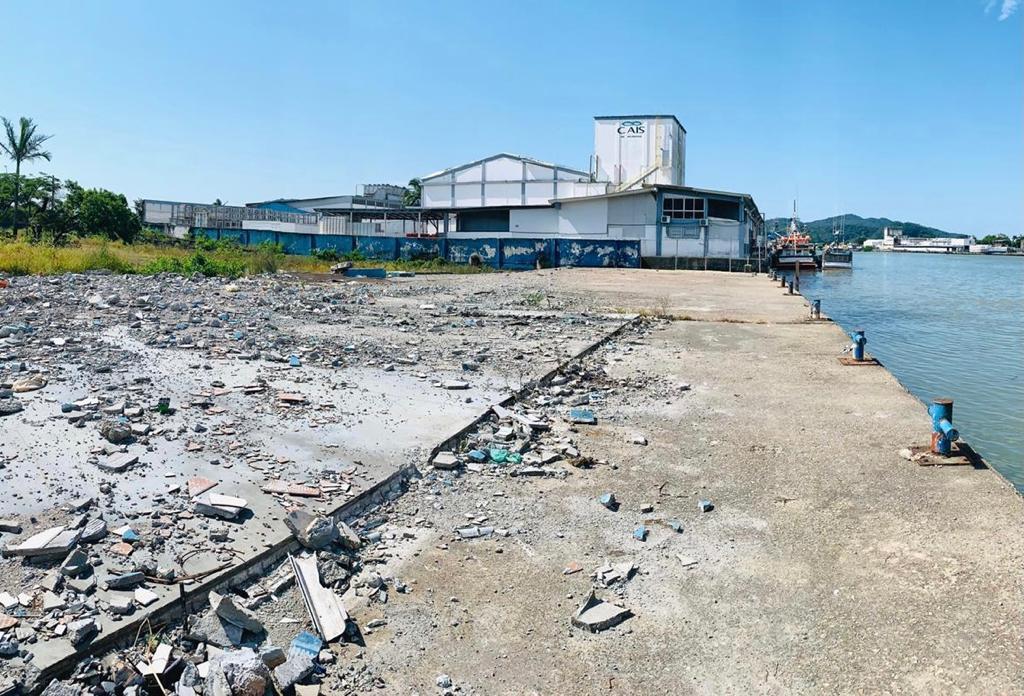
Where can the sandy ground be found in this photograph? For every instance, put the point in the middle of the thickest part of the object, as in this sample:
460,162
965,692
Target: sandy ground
829,564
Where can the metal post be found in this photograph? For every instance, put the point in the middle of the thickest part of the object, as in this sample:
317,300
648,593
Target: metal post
797,284
943,432
858,344
791,287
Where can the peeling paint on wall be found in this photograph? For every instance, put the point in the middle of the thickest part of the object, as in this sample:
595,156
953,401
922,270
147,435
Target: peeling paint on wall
511,253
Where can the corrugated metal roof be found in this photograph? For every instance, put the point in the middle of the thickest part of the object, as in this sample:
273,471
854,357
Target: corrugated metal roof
509,155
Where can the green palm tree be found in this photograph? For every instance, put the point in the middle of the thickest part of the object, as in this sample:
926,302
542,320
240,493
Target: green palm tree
412,193
23,146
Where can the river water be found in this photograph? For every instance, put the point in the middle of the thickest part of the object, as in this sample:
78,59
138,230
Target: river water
945,326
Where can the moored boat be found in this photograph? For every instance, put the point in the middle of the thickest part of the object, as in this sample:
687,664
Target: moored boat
837,256
794,250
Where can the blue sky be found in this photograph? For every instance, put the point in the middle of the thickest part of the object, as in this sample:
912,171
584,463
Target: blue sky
908,109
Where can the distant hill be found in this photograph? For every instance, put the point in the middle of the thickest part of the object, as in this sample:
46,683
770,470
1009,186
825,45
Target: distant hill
857,228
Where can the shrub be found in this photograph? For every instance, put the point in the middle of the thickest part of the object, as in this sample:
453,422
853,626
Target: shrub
328,254
265,259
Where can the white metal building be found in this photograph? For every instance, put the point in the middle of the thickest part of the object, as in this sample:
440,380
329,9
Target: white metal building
635,189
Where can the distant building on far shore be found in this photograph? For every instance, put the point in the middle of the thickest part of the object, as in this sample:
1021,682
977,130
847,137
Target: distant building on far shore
893,240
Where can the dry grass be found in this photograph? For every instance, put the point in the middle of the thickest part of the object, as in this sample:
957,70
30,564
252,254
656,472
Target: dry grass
22,258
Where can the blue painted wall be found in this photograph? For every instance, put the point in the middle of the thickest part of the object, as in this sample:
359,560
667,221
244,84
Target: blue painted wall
382,248
459,250
294,243
341,243
508,253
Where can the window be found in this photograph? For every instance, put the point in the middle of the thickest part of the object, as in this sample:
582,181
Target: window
684,208
727,210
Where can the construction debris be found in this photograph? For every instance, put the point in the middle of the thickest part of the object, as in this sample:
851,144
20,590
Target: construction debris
324,607
596,615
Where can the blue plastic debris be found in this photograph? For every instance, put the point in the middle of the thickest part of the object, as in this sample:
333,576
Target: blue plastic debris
676,526
294,361
583,416
477,455
307,643
238,335
498,455
130,535
705,505
366,272
640,533
608,500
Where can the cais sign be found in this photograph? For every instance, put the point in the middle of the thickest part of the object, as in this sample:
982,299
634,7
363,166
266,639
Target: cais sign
631,129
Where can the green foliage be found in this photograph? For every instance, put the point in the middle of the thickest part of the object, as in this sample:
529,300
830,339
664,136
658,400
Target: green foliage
147,235
534,299
101,212
1001,240
266,258
104,258
204,243
23,145
328,254
197,262
413,193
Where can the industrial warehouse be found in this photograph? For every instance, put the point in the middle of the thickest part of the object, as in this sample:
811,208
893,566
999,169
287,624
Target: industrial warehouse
631,207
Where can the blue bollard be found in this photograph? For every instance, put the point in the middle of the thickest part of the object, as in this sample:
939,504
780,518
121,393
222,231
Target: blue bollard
943,432
858,344
816,309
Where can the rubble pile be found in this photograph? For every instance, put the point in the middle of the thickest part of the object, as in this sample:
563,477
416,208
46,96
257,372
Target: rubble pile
156,394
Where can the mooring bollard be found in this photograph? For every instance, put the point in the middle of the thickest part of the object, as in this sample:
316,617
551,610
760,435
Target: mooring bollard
791,287
797,284
858,344
943,432
782,280
815,309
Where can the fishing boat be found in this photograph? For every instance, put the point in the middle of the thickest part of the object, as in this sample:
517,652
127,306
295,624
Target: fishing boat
837,254
794,250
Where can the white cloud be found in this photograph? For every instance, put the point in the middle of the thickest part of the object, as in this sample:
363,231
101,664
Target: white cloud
1008,8
989,6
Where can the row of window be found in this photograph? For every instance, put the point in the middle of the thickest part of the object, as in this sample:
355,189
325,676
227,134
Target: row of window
685,208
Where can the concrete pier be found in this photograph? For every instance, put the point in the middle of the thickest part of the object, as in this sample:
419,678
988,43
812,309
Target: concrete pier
829,565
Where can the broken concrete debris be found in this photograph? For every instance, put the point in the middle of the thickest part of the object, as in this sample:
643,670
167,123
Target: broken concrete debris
312,531
226,608
82,630
446,461
596,615
56,541
227,507
325,608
